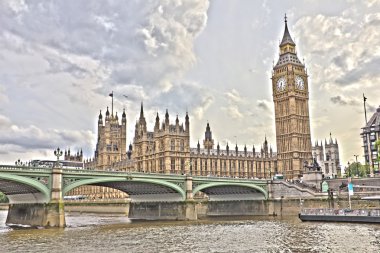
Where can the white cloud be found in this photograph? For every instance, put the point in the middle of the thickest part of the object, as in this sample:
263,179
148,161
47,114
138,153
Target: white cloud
58,64
19,139
265,105
200,109
233,96
233,112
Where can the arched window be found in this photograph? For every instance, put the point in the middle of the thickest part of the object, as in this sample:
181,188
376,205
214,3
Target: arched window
172,145
172,165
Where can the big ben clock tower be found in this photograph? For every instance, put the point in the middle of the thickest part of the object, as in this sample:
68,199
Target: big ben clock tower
291,104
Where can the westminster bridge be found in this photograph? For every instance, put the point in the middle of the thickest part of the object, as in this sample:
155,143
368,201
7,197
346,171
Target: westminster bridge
36,193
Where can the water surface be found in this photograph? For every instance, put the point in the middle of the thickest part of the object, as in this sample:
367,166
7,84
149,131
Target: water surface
116,233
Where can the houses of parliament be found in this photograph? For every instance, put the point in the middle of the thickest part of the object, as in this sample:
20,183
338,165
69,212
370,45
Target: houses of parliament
167,149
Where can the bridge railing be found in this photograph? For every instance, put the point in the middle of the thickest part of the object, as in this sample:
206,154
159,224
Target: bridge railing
119,173
238,179
111,172
24,168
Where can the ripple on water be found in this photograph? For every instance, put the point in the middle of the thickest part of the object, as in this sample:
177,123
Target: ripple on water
113,233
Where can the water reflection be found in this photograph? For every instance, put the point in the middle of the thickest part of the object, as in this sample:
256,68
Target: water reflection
116,233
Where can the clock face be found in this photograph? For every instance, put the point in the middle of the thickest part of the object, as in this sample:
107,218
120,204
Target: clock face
281,83
299,83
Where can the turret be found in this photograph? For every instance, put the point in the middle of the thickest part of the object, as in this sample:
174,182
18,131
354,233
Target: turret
129,153
177,123
141,125
157,124
266,147
245,150
137,129
167,118
107,114
187,123
236,150
124,118
142,111
100,120
208,142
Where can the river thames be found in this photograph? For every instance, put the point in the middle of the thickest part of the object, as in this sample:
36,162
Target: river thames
116,233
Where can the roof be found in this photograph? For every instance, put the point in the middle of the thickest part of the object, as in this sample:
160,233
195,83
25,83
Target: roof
287,39
375,119
288,57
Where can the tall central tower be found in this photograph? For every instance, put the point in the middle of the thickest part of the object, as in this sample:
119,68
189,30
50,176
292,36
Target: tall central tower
291,104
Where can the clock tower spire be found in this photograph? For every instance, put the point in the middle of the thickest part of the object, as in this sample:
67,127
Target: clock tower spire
291,104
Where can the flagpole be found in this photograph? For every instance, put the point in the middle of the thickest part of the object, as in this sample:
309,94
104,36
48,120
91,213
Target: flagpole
368,142
365,110
112,104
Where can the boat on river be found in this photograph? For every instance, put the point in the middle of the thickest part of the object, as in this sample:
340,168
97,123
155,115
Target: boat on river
340,215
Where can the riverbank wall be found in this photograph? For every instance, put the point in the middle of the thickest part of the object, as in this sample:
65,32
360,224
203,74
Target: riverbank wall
205,208
4,206
110,207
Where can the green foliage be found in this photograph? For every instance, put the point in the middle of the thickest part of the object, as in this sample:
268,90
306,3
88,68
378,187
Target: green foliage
377,145
357,169
3,198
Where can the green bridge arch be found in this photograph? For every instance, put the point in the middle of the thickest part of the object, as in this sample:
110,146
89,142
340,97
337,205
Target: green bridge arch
30,182
214,184
93,181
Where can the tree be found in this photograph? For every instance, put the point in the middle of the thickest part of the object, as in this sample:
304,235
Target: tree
3,198
356,168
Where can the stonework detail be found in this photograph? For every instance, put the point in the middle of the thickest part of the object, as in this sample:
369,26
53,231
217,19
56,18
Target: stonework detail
167,149
328,158
291,104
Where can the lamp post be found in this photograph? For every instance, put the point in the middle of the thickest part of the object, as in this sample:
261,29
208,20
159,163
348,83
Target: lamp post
348,168
18,163
357,171
58,152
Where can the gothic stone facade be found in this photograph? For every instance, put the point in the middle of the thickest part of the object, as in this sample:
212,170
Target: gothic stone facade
167,148
328,158
110,150
291,104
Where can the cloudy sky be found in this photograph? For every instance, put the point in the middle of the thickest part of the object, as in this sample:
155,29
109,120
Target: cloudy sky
59,60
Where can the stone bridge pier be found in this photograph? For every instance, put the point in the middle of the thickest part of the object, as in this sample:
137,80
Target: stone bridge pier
50,214
166,210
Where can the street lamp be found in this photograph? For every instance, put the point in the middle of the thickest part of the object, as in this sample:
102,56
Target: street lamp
18,163
58,152
348,168
357,171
